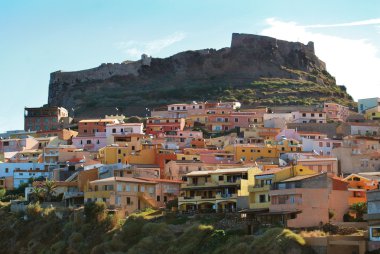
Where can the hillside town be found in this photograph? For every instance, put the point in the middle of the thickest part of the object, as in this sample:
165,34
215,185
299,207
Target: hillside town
293,166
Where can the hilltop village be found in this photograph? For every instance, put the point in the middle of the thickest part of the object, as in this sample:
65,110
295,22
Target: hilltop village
296,167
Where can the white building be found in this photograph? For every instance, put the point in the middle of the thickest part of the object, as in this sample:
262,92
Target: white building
124,128
309,117
321,146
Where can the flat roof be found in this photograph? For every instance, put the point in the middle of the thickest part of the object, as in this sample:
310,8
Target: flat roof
299,178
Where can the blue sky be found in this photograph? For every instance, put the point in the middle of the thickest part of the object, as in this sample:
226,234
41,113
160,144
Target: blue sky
39,37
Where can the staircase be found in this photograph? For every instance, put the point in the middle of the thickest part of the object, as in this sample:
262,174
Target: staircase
147,199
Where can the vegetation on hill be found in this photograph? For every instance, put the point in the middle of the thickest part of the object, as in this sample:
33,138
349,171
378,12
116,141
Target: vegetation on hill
41,231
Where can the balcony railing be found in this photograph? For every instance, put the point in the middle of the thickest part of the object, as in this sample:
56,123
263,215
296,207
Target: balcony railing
73,194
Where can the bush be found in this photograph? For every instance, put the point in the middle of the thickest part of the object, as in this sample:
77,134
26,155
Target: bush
34,210
95,211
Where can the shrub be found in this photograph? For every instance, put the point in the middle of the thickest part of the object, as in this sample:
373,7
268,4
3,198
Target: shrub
95,211
34,210
58,247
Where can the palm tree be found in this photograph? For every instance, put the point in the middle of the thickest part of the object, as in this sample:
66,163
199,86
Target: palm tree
37,193
49,186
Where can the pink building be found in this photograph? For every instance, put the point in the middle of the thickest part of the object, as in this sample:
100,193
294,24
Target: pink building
91,143
180,139
229,121
312,198
166,190
335,111
16,145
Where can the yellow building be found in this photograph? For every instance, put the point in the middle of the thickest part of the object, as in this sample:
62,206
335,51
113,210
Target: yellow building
123,194
253,152
133,141
373,113
191,119
122,154
259,191
147,155
188,157
215,190
286,145
113,154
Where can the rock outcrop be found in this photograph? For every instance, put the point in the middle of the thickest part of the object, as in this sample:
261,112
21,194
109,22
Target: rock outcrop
256,70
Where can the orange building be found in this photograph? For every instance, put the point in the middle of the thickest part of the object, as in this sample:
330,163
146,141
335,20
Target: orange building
358,187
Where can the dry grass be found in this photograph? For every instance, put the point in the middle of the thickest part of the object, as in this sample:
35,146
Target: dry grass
314,233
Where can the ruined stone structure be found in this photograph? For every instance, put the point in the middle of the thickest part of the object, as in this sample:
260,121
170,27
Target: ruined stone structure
208,74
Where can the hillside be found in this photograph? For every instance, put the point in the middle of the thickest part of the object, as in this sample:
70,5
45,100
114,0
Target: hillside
255,70
43,232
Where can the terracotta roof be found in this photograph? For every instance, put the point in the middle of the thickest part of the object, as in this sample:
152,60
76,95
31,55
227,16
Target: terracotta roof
121,179
158,180
97,120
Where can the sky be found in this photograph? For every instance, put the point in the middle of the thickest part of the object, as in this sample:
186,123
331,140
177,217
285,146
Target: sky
38,37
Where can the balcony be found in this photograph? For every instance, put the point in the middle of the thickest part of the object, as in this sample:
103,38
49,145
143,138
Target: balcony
258,188
51,154
98,194
259,205
171,191
195,199
74,194
226,196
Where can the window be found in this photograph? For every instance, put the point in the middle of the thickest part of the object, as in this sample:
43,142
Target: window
127,187
221,178
117,201
151,190
142,188
236,120
128,200
118,160
312,114
85,131
375,233
135,188
88,142
119,187
320,115
262,198
113,130
158,198
6,170
165,199
304,114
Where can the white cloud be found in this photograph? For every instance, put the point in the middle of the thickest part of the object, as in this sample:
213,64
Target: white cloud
355,23
135,49
353,62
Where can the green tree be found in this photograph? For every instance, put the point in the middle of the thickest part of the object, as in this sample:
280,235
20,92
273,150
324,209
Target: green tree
37,194
360,209
50,187
95,211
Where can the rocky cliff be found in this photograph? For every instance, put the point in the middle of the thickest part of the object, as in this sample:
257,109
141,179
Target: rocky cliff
256,70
